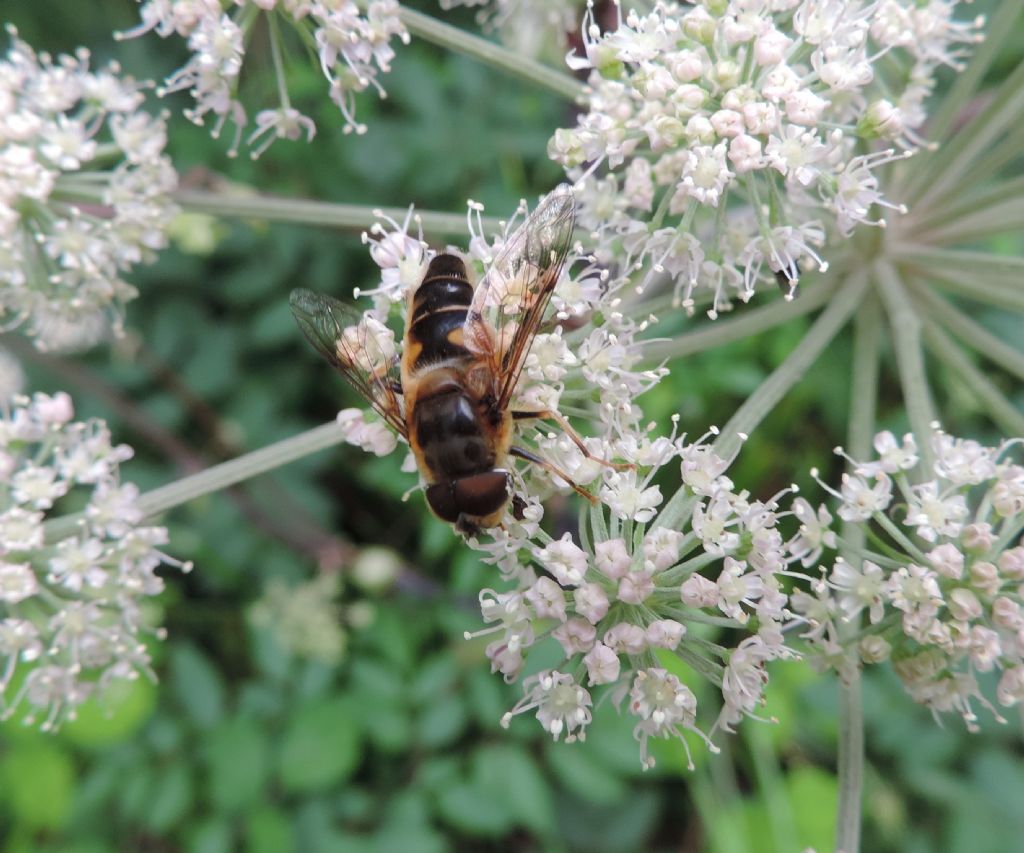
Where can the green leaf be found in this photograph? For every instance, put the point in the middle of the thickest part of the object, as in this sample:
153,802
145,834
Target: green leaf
37,780
269,831
320,746
236,757
197,685
418,839
486,697
510,773
474,811
169,799
435,677
212,835
817,793
621,827
579,771
387,725
441,722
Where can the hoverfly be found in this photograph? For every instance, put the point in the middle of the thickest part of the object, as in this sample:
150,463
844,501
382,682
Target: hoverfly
449,394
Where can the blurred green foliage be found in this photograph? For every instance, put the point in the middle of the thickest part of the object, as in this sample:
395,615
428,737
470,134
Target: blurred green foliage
242,746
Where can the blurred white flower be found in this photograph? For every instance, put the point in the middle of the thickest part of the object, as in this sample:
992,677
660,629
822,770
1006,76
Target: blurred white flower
304,618
74,606
84,195
352,42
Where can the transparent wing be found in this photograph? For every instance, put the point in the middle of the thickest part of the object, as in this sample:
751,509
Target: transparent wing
509,302
362,349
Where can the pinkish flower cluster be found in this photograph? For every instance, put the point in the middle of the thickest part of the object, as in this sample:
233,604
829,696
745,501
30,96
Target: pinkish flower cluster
940,591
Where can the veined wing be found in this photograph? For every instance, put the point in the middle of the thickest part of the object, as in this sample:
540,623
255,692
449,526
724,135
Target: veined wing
361,348
509,302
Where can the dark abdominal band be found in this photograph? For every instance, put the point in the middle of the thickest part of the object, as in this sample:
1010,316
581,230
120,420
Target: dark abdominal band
439,308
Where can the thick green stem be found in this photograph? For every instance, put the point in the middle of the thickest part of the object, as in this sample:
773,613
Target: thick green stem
851,764
1003,412
848,295
863,404
222,476
241,205
864,382
949,217
452,38
1007,356
1006,217
906,335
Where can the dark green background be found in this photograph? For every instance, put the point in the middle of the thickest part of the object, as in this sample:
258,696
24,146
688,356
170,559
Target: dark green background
398,748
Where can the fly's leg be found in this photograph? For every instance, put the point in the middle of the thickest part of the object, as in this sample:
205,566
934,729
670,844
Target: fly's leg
551,468
577,439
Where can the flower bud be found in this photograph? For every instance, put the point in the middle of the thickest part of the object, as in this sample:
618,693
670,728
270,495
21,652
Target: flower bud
977,538
882,120
612,559
947,560
964,605
665,633
985,577
874,649
1011,563
699,25
698,591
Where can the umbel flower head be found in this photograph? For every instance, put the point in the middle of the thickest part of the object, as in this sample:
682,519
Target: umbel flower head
74,613
628,598
725,143
941,593
84,194
352,43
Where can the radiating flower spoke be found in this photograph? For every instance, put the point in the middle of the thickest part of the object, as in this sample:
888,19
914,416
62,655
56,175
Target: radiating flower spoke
905,326
1007,415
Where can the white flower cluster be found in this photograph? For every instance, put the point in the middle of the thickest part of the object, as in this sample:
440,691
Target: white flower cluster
352,45
944,595
734,134
305,619
630,598
84,194
74,607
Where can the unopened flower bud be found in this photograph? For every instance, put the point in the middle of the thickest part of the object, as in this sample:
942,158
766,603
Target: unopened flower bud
985,577
874,649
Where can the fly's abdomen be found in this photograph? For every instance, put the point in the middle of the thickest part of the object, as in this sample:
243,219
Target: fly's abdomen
439,311
448,430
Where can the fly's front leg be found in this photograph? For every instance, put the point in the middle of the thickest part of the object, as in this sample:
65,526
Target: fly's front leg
551,468
577,439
